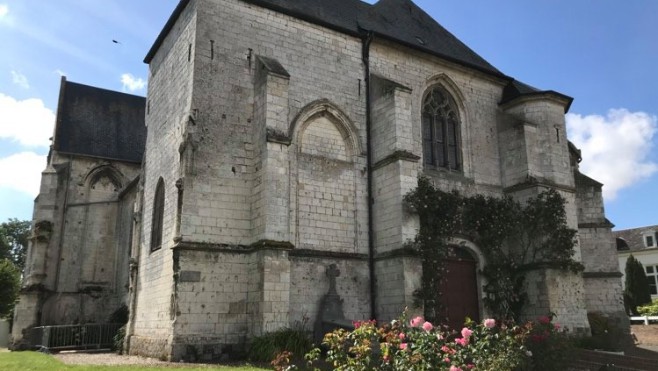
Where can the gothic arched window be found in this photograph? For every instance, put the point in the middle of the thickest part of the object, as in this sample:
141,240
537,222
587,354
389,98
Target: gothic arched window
158,213
441,136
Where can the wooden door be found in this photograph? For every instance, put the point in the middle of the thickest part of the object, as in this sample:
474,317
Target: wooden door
460,291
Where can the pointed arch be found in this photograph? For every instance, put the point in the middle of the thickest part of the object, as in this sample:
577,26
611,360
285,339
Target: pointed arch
107,171
442,115
323,108
157,216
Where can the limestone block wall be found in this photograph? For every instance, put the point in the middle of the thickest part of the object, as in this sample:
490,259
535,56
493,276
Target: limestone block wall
476,95
309,283
210,301
170,128
553,291
535,139
397,279
322,64
86,258
603,279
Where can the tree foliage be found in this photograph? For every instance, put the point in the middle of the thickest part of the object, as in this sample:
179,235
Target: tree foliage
10,284
636,290
513,237
14,235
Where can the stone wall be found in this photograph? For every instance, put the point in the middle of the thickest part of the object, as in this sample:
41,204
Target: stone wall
170,145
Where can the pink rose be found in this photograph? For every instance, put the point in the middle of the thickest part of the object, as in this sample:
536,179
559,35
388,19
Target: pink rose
466,332
455,368
462,341
402,336
403,346
489,323
416,321
446,360
427,326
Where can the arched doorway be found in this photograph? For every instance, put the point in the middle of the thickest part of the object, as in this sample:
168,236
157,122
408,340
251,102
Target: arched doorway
459,289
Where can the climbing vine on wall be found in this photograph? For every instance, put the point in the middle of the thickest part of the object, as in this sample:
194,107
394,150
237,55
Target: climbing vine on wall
514,239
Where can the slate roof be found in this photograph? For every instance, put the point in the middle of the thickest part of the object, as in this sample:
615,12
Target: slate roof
100,123
516,89
633,239
399,20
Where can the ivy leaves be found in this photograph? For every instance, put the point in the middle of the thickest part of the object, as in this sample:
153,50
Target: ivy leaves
513,237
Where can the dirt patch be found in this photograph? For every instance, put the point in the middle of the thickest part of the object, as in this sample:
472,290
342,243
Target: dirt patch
646,334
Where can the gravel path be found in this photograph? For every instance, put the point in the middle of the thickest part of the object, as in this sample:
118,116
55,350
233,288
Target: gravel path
110,359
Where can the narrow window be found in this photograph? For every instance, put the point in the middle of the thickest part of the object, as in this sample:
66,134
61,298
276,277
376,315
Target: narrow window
649,241
652,278
441,131
158,213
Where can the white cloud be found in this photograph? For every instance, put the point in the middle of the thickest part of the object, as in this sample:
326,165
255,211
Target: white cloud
4,10
27,122
23,172
60,72
130,83
615,148
20,80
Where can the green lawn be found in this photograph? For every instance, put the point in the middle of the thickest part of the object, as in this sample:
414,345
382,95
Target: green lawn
33,361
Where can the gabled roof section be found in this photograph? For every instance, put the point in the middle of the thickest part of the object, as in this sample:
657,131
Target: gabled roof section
99,123
400,21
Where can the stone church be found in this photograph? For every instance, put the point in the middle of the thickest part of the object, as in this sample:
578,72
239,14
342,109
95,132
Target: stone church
277,139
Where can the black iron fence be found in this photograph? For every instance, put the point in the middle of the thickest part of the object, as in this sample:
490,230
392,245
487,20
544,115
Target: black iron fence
89,336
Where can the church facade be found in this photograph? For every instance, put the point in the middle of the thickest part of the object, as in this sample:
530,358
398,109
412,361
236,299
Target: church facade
281,137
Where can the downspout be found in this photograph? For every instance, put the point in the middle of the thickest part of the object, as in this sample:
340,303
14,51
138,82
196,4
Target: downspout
365,56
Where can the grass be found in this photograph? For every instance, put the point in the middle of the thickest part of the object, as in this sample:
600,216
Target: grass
33,361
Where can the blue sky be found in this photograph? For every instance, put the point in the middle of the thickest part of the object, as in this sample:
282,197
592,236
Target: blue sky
602,53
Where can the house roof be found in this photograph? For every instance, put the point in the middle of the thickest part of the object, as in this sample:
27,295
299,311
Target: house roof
401,21
633,239
99,123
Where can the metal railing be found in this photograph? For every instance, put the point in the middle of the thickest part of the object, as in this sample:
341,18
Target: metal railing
88,336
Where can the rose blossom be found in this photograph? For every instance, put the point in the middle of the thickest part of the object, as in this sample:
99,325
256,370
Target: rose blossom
455,368
427,326
544,320
466,332
489,323
416,321
402,336
403,346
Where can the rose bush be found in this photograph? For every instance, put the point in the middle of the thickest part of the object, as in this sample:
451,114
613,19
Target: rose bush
415,344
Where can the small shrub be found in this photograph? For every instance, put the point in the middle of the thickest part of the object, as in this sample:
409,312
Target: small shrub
419,345
649,309
265,348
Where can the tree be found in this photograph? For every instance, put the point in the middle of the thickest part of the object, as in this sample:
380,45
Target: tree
636,292
10,284
14,235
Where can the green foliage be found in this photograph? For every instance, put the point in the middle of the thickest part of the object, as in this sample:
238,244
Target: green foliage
266,347
418,345
514,239
649,309
10,285
14,236
636,290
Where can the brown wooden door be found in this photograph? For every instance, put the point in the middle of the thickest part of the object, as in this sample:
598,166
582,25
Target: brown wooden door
459,292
